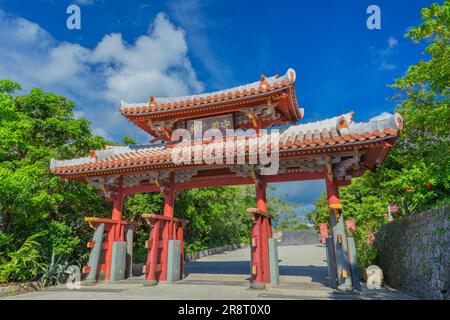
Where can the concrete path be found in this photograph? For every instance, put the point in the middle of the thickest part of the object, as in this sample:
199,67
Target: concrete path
303,275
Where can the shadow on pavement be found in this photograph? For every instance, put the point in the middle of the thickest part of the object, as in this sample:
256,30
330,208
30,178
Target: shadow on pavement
218,267
317,273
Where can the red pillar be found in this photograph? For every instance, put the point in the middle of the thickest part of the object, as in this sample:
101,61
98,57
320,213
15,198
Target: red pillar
261,203
152,257
167,231
169,198
180,237
115,232
332,192
340,248
333,199
117,213
261,231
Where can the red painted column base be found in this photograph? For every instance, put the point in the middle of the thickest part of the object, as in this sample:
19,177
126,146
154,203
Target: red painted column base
261,232
163,229
111,227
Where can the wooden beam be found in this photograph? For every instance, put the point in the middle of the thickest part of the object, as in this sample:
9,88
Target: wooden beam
226,180
145,188
296,176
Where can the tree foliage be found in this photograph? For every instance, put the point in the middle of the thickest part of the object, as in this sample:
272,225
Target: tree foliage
34,128
24,263
416,175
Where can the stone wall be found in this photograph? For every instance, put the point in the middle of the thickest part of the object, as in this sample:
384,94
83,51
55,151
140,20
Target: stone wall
415,253
295,238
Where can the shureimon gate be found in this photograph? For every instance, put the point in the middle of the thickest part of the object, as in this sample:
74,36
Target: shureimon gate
251,134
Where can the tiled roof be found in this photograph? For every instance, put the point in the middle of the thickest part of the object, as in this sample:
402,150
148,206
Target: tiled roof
172,103
336,131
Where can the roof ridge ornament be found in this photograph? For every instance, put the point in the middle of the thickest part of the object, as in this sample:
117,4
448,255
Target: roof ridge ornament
291,75
152,101
263,82
345,120
399,120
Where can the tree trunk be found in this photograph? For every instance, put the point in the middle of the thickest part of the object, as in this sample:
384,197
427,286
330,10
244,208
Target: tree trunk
6,221
405,207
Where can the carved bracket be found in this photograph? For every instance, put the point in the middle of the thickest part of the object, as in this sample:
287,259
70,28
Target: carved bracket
185,175
162,129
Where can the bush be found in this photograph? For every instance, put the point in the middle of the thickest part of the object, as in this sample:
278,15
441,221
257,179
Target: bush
57,271
195,247
301,227
140,255
25,263
5,247
60,239
366,253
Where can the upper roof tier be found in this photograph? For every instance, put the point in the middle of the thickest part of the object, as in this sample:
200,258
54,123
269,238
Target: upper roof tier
276,91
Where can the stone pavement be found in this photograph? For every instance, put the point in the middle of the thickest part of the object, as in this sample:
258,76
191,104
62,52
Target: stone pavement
303,275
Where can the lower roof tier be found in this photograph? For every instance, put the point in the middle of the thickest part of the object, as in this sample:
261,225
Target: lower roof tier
325,138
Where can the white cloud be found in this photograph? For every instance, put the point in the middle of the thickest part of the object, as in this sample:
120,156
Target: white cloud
156,63
102,132
383,57
392,42
189,14
78,114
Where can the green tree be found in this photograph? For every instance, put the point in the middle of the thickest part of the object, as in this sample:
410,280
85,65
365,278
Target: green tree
134,207
34,128
288,216
129,141
217,216
416,175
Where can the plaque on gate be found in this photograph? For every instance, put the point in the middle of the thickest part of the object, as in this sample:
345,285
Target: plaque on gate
221,123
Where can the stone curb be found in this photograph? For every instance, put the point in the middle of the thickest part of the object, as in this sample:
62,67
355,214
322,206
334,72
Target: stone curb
208,252
17,288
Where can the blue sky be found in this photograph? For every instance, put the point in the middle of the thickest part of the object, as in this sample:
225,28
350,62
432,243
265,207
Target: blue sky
133,49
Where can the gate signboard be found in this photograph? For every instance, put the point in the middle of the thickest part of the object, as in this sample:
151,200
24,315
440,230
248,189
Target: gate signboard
221,123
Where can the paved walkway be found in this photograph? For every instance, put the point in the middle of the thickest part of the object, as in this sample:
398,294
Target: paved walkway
303,275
